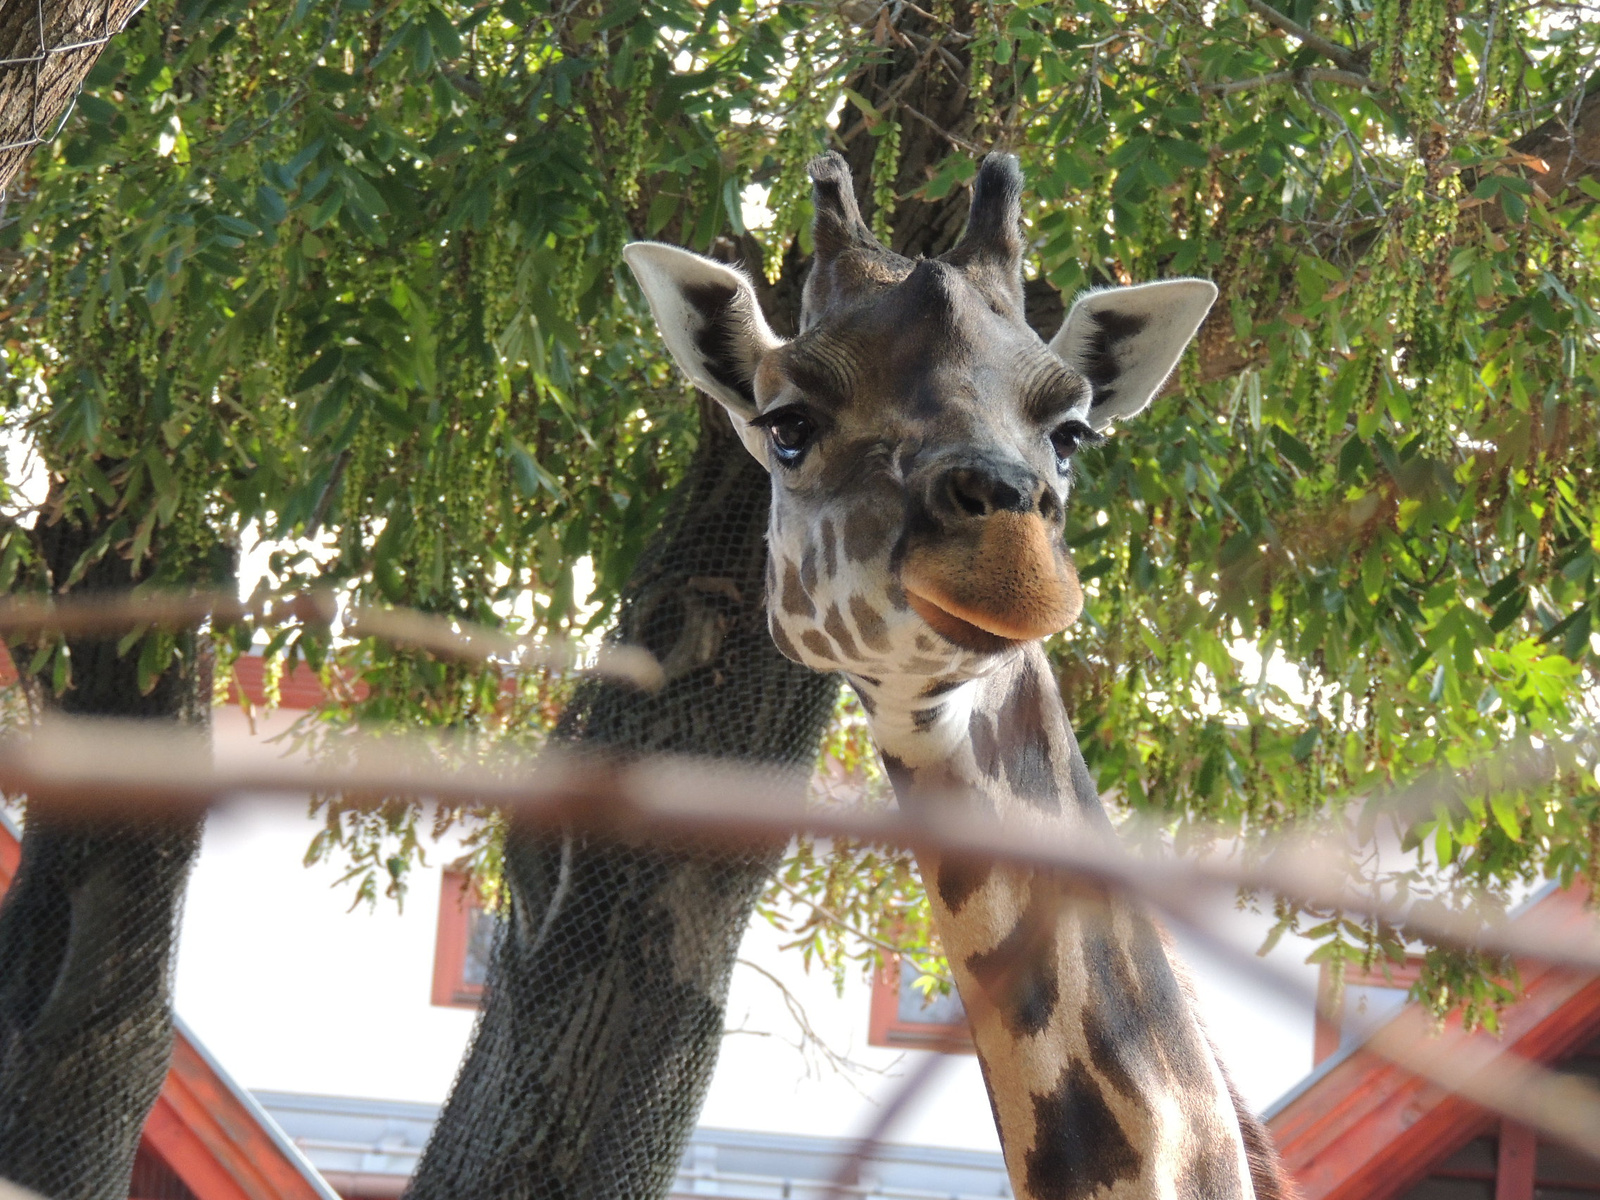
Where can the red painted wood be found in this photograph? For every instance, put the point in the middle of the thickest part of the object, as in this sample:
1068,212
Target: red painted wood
1369,1130
10,859
456,904
1519,1147
213,1142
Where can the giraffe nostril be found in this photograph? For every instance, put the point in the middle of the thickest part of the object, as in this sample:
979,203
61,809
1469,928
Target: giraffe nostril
968,492
978,492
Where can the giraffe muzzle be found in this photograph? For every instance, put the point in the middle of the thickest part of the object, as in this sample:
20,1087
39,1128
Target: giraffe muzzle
1003,580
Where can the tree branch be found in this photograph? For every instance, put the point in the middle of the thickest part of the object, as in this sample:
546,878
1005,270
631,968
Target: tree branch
1353,61
1299,75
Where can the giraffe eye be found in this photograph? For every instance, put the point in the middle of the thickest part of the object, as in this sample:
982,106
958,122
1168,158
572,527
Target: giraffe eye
1068,436
791,432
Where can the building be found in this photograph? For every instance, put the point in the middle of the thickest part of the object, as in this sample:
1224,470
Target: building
1360,1128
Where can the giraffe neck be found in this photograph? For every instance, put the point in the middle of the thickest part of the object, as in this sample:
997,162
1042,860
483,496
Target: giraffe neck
1102,1080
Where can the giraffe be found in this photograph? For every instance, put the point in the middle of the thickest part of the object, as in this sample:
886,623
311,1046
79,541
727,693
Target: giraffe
919,438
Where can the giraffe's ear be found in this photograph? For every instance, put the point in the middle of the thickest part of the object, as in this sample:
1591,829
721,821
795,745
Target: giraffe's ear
709,317
1125,341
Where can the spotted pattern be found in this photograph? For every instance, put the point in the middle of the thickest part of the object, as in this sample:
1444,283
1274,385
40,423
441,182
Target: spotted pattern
869,624
1020,975
795,599
816,642
901,777
808,569
866,532
957,879
780,639
985,746
1078,1145
830,548
1024,745
834,624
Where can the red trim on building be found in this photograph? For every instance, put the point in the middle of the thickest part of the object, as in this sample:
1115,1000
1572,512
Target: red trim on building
459,907
298,688
885,1027
1370,1130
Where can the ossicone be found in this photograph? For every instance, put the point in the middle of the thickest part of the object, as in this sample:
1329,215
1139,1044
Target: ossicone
838,225
993,237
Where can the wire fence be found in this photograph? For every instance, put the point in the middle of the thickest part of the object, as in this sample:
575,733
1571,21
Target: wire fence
80,769
46,51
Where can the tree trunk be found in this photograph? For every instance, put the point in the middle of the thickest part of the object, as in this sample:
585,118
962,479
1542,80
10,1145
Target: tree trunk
604,1009
87,933
47,66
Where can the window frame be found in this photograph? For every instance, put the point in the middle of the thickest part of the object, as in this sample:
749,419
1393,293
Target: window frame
459,900
886,1029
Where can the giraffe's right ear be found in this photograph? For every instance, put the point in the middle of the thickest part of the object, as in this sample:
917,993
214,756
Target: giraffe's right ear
709,317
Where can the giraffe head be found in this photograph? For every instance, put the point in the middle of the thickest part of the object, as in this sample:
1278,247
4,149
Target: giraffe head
918,433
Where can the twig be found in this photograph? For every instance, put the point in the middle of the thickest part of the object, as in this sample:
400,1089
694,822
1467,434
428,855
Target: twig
839,922
1355,146
809,1037
1298,75
850,1168
1480,94
953,139
1351,60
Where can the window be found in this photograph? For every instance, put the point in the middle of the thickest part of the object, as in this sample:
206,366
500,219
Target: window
465,939
905,1018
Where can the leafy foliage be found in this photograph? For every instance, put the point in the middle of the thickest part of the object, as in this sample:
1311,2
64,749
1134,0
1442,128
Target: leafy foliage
347,274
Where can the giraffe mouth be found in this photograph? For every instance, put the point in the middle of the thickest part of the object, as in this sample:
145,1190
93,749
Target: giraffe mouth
995,584
966,634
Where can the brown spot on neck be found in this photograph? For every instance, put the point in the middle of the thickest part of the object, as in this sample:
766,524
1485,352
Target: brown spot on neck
1078,1146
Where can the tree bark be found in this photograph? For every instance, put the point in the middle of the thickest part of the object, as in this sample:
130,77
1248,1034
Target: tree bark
87,933
604,1009
41,69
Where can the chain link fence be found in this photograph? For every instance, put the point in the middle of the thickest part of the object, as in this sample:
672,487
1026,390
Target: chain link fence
46,50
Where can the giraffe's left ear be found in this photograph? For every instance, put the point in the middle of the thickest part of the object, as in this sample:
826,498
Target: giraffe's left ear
1125,341
711,322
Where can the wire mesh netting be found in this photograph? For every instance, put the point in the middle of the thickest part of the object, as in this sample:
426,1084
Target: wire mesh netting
87,937
604,1008
88,929
45,51
86,944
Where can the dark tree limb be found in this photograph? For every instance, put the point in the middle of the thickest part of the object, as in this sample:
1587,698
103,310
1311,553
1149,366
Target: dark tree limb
1352,61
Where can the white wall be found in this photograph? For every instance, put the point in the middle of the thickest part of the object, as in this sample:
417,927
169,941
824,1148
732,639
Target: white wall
292,992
